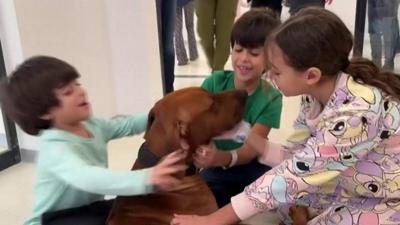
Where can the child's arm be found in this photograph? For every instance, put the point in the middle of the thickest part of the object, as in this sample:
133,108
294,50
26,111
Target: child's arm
122,126
93,179
271,154
208,156
224,216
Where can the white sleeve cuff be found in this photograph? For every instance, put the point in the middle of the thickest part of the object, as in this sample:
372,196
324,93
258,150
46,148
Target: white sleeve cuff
243,207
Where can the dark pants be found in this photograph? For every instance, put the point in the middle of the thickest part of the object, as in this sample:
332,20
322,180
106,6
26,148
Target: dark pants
93,214
214,25
383,26
227,183
296,5
275,5
166,10
180,49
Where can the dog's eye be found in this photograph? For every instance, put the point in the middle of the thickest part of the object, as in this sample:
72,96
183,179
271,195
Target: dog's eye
150,119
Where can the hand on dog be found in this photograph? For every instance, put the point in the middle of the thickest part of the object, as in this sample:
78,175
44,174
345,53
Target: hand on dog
163,175
208,156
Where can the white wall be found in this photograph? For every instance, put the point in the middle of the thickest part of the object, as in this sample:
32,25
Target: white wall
113,44
133,35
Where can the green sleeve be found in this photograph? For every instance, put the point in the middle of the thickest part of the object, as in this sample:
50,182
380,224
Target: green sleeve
208,84
123,126
219,80
271,114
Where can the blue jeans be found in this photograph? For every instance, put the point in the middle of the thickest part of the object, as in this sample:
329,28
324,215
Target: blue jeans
166,10
227,183
383,24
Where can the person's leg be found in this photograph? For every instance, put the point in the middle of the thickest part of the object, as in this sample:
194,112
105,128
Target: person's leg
375,35
296,5
205,11
225,16
179,43
166,16
225,183
93,214
275,5
189,17
390,31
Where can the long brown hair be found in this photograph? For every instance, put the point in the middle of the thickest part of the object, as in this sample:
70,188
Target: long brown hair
316,37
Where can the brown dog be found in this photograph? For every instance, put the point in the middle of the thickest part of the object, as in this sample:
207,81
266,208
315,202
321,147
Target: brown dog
299,215
192,115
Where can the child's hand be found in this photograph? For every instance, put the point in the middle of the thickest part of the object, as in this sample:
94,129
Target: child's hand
208,156
162,175
191,220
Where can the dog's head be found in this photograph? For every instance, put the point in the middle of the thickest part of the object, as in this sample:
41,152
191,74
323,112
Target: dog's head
192,115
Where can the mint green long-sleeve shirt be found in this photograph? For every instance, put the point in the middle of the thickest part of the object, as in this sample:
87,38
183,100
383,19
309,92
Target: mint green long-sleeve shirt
72,170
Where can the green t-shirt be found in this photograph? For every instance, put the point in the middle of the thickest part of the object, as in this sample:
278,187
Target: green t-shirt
264,106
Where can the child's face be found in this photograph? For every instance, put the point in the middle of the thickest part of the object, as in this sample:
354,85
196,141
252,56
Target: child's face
288,80
248,63
74,106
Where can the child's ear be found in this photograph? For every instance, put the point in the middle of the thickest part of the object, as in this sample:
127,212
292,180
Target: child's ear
313,75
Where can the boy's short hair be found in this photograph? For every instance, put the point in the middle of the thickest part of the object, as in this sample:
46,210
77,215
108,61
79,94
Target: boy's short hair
253,27
29,92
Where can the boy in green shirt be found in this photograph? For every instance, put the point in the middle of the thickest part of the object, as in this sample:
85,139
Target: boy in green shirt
44,98
228,165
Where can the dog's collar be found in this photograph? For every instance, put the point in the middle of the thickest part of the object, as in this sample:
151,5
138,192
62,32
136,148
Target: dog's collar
146,157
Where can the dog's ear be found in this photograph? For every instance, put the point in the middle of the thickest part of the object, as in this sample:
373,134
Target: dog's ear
165,134
155,135
200,130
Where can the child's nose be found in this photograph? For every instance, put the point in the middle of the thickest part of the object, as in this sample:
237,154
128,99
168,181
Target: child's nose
244,56
81,91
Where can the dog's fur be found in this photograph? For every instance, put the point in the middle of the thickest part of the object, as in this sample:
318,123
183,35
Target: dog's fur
195,116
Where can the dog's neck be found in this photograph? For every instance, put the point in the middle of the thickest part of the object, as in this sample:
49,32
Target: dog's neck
146,158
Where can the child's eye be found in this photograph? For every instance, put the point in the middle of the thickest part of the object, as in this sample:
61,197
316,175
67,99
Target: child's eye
255,54
238,49
67,92
273,73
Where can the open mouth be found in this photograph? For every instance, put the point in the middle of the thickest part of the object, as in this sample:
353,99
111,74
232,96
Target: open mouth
244,69
83,104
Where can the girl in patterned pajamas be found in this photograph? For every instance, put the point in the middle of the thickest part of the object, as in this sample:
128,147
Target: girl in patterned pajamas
344,157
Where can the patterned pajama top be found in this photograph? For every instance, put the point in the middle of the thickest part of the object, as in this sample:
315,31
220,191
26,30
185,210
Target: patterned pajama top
343,160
